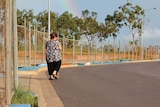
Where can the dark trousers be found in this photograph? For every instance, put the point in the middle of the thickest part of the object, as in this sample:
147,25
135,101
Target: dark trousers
53,66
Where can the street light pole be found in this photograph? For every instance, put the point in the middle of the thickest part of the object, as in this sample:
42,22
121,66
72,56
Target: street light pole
48,19
143,31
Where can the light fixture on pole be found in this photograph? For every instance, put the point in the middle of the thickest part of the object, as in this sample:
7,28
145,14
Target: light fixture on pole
143,31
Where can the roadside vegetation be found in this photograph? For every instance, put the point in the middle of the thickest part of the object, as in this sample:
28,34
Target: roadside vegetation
24,96
68,26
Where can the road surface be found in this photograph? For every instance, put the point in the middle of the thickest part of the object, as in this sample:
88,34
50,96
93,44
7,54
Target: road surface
117,85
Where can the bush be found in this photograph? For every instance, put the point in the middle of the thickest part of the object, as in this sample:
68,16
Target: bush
24,96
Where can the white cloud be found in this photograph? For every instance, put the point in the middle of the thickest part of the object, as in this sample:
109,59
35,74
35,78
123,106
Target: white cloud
151,36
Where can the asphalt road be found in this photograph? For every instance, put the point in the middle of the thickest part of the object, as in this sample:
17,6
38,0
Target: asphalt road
118,85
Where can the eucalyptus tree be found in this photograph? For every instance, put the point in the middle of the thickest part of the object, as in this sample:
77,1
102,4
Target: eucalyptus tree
133,19
102,32
113,25
78,27
42,19
25,14
90,27
110,28
66,24
20,17
53,23
73,27
85,14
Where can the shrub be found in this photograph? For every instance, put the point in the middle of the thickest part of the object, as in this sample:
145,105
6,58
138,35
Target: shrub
24,96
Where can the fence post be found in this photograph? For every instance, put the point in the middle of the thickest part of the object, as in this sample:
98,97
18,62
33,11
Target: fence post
158,52
25,41
8,50
81,50
124,50
114,48
29,56
133,47
96,51
119,52
34,43
73,48
145,58
147,54
108,51
43,46
102,58
89,51
63,46
15,59
128,51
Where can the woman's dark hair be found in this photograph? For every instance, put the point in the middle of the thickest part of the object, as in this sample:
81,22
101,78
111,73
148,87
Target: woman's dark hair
53,35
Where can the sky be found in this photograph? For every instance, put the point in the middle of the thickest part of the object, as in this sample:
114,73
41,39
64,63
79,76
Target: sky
151,35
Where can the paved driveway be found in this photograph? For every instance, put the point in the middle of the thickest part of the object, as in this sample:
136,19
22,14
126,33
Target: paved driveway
119,85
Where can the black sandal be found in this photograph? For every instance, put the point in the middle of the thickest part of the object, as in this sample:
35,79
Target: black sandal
55,76
50,78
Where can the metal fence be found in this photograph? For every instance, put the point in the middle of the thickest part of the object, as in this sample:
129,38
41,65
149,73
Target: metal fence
31,49
31,45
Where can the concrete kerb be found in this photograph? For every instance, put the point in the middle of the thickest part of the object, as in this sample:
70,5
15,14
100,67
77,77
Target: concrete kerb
37,81
31,80
49,93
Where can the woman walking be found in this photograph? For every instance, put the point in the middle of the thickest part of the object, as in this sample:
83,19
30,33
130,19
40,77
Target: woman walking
53,56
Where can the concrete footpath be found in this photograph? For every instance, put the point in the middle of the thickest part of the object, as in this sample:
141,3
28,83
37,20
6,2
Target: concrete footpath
38,82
